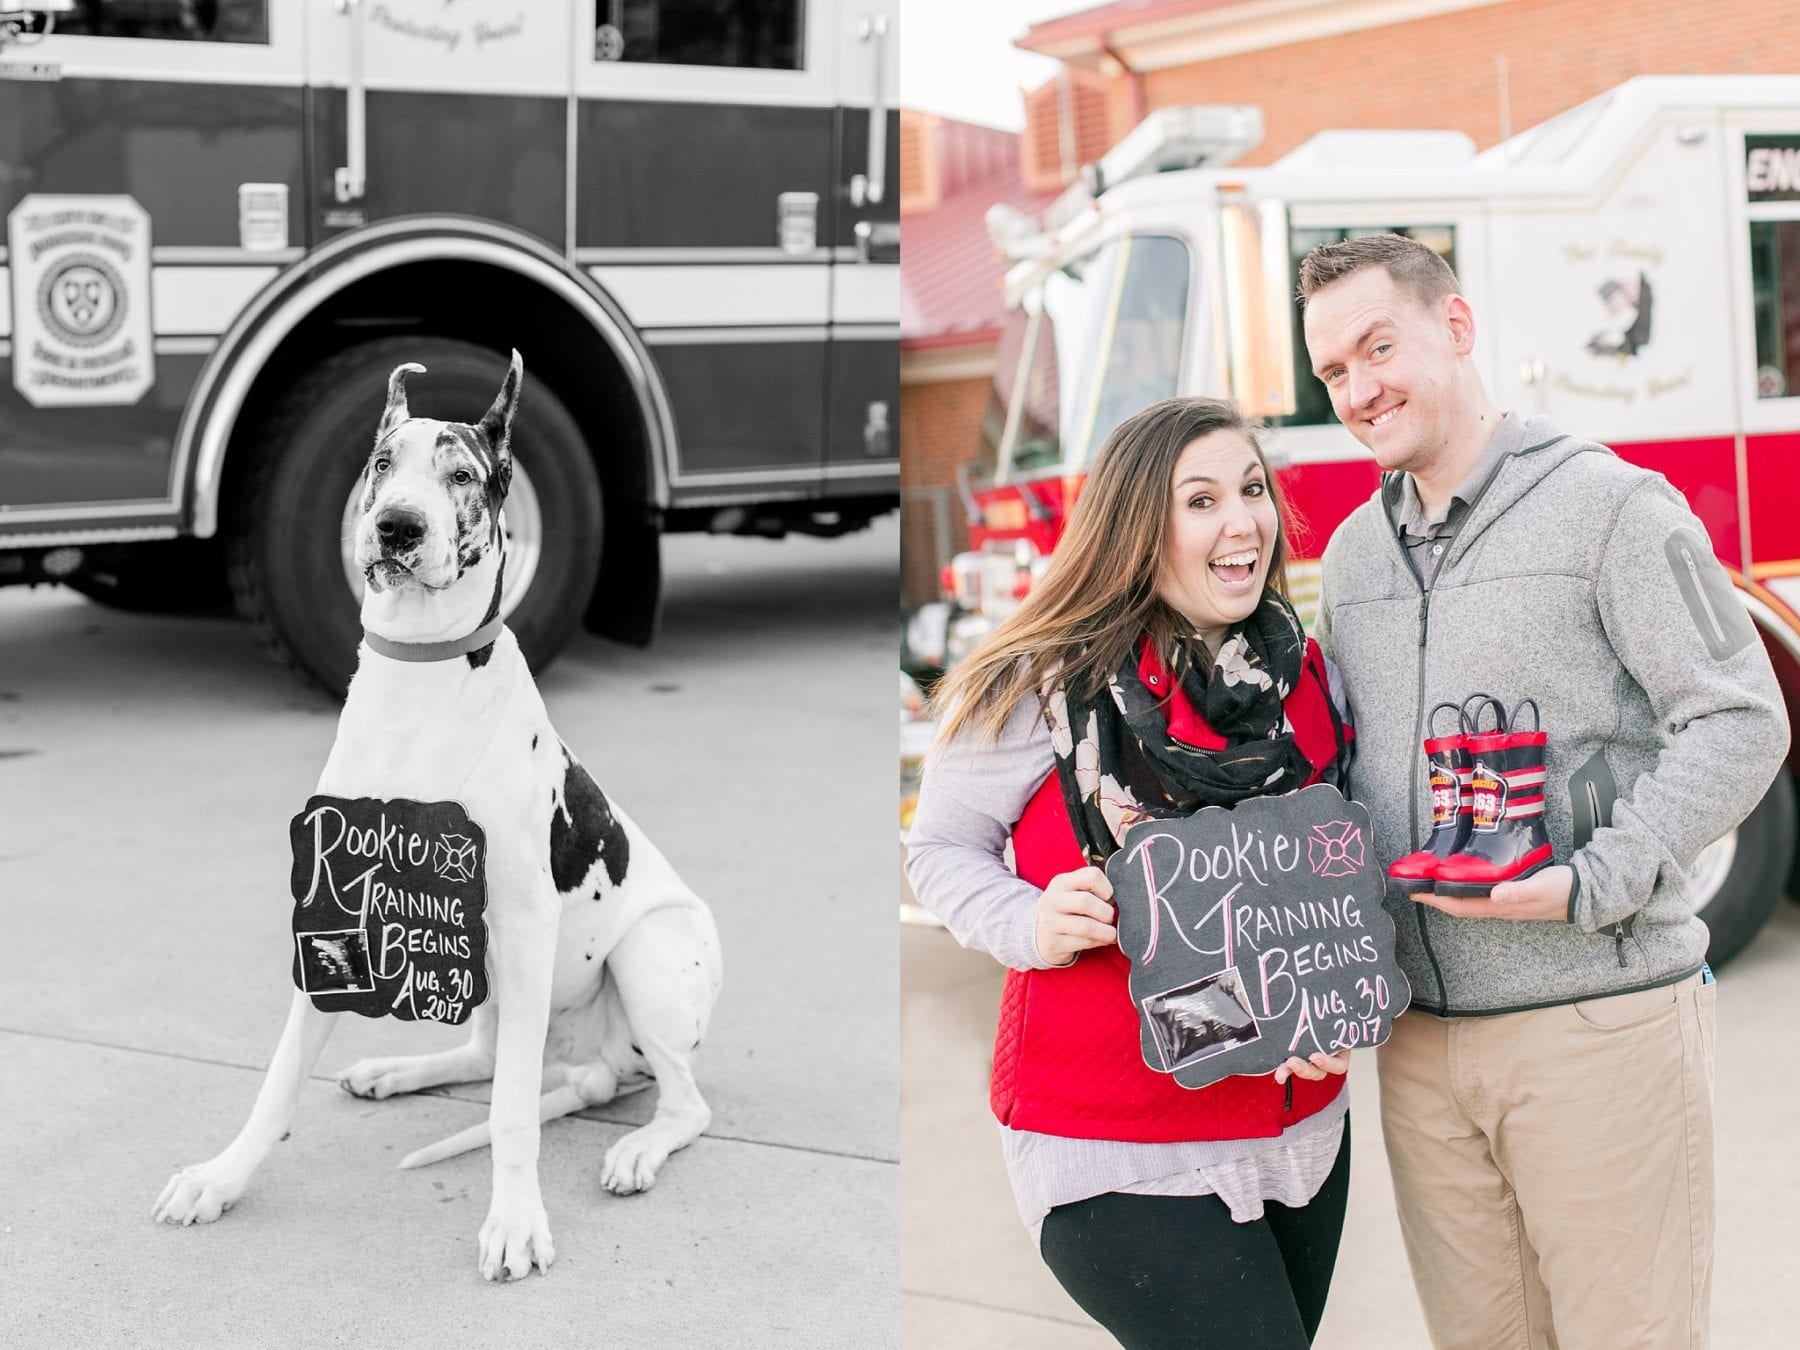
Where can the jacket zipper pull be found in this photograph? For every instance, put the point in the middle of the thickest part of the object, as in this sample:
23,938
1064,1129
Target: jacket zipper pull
1287,1100
1424,616
1619,943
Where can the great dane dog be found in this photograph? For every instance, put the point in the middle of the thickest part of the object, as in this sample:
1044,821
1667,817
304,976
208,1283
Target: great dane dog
603,965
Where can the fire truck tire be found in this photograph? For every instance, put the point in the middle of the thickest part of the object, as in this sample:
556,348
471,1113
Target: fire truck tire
1745,894
286,568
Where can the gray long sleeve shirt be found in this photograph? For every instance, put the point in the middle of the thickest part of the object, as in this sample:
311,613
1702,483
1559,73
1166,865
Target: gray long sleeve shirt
1588,585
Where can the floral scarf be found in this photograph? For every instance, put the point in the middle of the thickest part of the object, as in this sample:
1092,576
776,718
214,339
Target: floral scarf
1119,765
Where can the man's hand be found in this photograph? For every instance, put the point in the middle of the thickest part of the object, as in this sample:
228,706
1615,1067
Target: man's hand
1074,914
1543,896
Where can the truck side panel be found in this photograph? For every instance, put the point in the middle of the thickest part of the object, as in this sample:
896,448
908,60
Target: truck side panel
179,150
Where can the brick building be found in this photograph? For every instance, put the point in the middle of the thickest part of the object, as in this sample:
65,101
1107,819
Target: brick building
950,314
1485,67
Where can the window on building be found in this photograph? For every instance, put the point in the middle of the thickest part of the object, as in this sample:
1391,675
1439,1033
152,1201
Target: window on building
177,20
755,34
1312,405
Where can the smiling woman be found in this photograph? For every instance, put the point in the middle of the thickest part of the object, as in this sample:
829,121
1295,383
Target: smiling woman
1157,668
1135,566
1222,531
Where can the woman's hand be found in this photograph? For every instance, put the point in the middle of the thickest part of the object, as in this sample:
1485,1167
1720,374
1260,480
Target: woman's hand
1314,1068
1074,914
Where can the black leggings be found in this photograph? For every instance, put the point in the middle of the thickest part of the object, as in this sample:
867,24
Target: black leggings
1167,1271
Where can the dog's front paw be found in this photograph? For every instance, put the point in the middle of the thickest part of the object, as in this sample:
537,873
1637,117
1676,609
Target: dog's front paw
199,1194
377,1078
515,1237
632,1162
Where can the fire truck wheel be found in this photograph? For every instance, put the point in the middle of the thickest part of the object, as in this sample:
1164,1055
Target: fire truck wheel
285,520
1738,879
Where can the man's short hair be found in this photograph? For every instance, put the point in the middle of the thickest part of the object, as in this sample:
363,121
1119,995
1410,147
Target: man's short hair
1413,267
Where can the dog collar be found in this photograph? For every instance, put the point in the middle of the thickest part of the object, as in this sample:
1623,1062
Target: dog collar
435,651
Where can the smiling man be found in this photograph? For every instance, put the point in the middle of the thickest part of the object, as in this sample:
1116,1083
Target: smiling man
1547,1102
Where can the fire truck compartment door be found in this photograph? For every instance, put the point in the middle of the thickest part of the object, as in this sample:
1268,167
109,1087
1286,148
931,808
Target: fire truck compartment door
862,445
425,108
147,150
713,202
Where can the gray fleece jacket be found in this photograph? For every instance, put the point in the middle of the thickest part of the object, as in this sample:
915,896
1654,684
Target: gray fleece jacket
1587,584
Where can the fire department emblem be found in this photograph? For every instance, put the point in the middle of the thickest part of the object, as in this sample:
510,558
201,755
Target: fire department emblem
80,300
1335,849
454,857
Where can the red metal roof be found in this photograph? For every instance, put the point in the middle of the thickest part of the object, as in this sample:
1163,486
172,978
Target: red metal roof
950,280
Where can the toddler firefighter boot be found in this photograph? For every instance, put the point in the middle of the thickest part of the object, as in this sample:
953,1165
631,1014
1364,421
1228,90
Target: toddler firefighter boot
1507,838
1447,761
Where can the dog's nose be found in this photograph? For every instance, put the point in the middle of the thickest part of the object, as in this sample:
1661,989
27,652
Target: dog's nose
399,528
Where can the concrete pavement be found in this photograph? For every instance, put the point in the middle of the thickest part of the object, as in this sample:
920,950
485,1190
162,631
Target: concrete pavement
148,767
970,1278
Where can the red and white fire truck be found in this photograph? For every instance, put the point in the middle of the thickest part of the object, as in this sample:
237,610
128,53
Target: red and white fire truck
227,221
1635,263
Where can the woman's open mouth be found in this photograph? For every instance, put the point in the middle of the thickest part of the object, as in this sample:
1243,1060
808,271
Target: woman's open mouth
1236,571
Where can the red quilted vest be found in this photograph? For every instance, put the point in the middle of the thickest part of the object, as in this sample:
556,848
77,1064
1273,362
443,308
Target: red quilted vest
1067,1055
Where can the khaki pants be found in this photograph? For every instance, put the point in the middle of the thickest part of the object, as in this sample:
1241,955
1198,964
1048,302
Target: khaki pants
1553,1170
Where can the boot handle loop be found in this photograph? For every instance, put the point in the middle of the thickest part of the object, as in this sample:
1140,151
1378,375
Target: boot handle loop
1431,718
1482,702
1537,723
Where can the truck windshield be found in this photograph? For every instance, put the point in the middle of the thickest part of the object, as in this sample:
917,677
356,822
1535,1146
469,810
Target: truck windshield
1098,340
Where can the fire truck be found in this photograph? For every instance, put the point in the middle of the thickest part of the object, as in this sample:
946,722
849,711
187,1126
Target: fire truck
1635,266
227,221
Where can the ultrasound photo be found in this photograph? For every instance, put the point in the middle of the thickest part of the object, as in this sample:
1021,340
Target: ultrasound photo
335,962
1202,1018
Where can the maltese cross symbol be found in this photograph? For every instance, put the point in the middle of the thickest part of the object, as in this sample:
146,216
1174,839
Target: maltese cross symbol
454,858
1335,849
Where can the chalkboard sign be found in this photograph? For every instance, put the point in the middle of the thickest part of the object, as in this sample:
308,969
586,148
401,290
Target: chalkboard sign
1256,932
388,902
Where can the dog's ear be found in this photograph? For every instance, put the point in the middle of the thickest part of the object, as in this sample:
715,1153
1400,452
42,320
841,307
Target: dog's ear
496,423
395,413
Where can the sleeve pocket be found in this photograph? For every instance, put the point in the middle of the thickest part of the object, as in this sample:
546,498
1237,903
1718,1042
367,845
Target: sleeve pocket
1711,599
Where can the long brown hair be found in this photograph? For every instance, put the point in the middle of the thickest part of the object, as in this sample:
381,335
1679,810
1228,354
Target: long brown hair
1085,616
